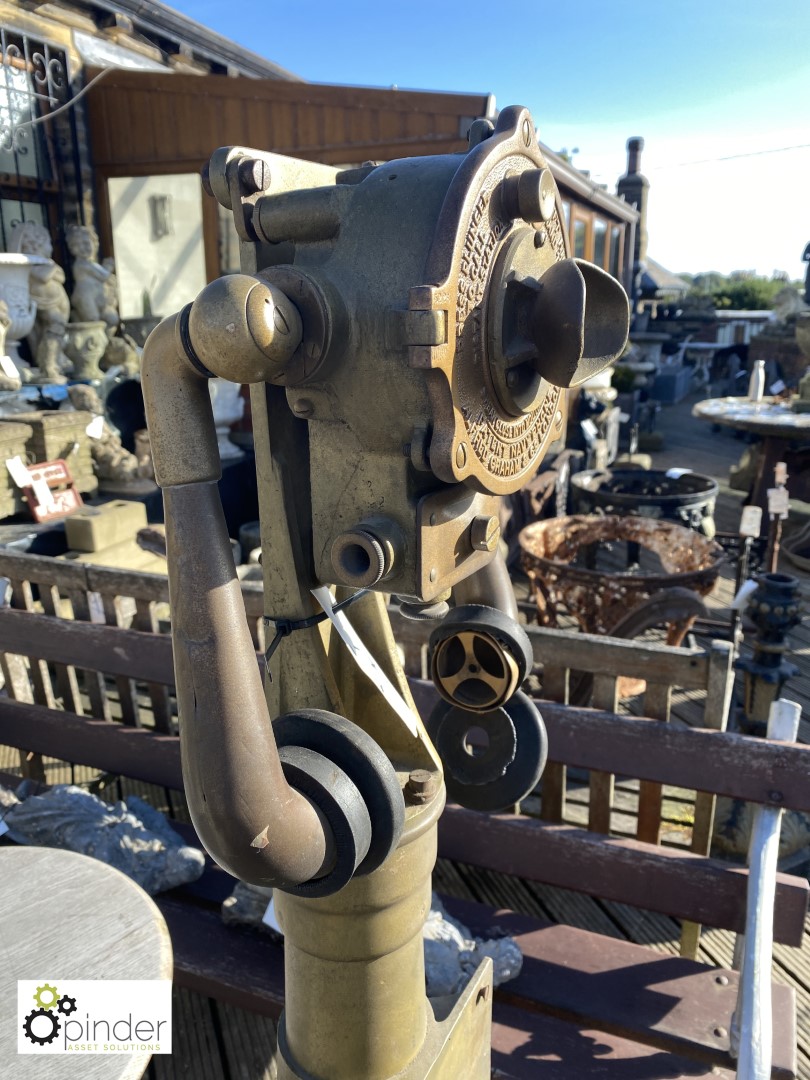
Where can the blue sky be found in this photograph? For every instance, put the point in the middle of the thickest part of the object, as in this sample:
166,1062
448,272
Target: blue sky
700,81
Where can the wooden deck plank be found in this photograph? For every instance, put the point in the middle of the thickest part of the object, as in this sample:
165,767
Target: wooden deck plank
249,1043
195,1051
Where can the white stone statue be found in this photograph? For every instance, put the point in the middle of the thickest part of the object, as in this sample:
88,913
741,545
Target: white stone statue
47,287
92,298
7,379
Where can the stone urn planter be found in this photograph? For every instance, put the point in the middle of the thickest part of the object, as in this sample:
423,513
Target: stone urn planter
15,271
86,344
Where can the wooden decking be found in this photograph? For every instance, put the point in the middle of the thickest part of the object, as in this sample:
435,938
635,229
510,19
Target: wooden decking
218,1042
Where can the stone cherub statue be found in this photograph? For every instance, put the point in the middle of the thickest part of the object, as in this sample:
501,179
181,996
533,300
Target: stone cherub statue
7,381
47,284
93,296
110,460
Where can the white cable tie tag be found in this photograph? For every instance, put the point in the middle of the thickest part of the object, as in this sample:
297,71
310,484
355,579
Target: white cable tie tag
269,918
589,430
751,521
95,429
19,473
3,828
777,387
43,495
365,661
741,599
676,474
9,367
778,502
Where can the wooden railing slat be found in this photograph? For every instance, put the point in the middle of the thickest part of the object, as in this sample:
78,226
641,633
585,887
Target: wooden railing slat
605,696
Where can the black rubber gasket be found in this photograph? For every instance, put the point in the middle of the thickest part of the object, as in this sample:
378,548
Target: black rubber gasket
519,778
359,756
484,766
490,622
344,809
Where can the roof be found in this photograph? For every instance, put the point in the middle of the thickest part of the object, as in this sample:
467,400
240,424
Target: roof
656,278
579,184
167,28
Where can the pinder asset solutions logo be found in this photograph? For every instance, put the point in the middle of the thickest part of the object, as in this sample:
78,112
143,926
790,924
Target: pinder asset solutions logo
101,1016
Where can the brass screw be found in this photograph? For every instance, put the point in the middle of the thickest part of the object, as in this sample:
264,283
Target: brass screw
721,980
254,175
485,532
461,455
540,238
421,786
527,132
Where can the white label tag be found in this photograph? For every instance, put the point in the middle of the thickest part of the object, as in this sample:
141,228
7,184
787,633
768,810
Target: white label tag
751,521
19,473
365,661
9,367
43,494
778,502
780,474
741,599
3,828
675,474
777,387
95,429
269,918
589,430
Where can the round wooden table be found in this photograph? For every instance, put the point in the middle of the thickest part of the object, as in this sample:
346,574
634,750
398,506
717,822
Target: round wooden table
64,915
780,429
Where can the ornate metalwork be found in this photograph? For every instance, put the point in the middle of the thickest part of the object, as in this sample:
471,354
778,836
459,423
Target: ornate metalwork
35,81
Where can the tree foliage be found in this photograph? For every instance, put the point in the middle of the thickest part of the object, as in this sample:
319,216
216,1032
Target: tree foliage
738,292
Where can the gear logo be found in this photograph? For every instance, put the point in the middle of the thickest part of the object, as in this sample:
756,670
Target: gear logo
49,993
43,1023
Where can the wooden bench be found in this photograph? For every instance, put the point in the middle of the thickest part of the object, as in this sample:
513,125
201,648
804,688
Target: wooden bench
583,1002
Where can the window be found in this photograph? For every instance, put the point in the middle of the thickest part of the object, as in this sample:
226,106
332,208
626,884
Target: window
580,238
33,82
616,251
600,230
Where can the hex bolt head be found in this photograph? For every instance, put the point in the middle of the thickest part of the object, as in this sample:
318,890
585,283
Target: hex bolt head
254,175
485,532
421,786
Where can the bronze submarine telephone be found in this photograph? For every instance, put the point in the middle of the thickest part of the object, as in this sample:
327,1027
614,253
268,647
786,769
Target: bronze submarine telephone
407,330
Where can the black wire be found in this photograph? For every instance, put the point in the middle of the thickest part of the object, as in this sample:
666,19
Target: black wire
284,627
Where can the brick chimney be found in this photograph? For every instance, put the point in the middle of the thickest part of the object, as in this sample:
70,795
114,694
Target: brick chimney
635,187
